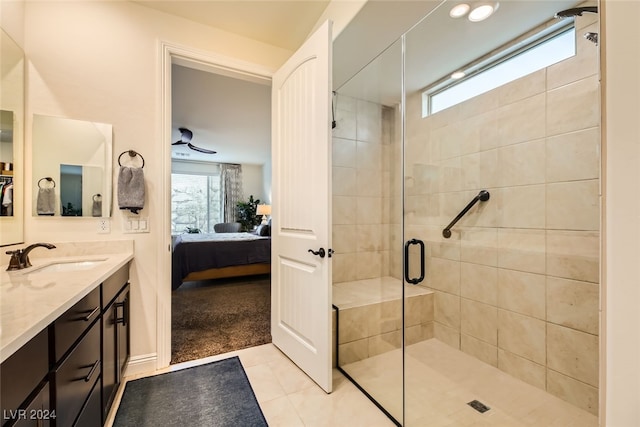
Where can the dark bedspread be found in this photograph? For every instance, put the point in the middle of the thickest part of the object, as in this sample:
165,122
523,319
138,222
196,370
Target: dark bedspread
197,252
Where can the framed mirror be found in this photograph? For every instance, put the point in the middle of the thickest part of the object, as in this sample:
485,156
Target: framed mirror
71,167
11,141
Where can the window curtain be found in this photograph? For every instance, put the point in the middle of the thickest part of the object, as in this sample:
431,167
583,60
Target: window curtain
231,188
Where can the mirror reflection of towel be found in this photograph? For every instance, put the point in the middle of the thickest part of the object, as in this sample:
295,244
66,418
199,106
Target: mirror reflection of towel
96,208
131,188
46,202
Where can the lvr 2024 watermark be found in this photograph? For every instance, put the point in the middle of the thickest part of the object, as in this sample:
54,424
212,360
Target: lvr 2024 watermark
28,414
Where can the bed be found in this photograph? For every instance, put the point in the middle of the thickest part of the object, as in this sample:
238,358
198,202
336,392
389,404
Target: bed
201,256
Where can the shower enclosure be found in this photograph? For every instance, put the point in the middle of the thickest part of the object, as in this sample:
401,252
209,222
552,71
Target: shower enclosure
466,227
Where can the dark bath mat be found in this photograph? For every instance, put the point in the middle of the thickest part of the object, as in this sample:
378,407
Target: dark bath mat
214,394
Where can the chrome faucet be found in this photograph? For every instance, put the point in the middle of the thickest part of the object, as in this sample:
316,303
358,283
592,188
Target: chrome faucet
20,257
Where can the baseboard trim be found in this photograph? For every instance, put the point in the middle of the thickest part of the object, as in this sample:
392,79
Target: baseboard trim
141,364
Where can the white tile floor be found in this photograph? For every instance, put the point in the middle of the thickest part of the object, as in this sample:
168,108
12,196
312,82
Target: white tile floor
288,397
441,381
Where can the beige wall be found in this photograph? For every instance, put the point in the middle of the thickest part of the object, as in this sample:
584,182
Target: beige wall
516,285
362,157
621,59
253,182
100,61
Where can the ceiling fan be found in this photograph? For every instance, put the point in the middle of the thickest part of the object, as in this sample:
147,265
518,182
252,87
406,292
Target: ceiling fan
185,138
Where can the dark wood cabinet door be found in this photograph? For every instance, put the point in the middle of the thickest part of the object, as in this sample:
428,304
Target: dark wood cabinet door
21,374
122,332
109,358
38,413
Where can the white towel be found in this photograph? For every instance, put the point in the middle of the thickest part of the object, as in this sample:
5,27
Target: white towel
131,188
46,203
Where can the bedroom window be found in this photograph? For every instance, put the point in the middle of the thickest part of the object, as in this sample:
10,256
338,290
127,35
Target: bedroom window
195,202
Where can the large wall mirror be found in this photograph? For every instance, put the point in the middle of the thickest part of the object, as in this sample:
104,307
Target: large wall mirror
11,141
71,167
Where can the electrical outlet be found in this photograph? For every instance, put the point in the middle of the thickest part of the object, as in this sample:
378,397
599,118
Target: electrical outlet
104,227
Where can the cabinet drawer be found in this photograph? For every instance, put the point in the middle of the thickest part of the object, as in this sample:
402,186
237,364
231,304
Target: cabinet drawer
111,287
23,371
91,415
76,376
76,320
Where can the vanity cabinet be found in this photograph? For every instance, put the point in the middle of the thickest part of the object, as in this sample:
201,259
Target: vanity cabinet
68,374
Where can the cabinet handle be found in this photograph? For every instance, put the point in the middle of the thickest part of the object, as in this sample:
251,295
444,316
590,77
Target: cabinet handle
122,319
90,315
93,369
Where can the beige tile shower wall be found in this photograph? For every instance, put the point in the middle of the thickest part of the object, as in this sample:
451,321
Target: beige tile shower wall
362,155
517,283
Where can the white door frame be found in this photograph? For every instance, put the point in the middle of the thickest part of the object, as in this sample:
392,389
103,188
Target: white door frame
171,53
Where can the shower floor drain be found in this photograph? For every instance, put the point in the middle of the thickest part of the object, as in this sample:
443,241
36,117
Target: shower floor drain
478,406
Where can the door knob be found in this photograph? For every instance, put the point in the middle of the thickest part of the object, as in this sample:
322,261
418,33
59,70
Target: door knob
320,252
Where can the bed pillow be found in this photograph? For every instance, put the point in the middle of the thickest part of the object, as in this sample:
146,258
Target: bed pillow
263,230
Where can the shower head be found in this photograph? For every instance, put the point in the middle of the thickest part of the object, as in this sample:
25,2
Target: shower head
576,11
592,37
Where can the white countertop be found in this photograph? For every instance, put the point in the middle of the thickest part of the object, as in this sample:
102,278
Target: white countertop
30,301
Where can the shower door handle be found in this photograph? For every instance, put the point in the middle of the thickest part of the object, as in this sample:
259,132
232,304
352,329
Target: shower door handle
415,280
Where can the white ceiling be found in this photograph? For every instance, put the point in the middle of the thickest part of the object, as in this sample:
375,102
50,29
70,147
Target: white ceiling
437,46
227,115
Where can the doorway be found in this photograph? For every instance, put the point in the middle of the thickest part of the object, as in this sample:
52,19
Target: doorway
176,55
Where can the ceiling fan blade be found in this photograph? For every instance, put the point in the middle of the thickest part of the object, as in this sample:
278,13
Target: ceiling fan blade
201,150
179,143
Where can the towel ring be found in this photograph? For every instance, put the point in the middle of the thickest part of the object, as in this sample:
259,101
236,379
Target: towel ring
98,196
47,178
132,153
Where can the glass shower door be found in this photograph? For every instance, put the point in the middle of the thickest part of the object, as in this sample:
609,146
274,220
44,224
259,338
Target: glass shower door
502,188
367,230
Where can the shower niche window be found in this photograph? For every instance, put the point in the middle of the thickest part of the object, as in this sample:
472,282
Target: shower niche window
503,330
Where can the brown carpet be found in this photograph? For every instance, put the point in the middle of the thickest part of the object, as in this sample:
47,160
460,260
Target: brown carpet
211,317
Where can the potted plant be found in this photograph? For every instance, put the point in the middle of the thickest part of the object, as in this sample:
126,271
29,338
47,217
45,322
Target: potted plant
246,212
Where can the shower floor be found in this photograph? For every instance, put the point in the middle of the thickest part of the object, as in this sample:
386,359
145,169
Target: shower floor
442,380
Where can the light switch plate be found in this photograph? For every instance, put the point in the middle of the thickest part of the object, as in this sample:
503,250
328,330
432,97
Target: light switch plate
135,224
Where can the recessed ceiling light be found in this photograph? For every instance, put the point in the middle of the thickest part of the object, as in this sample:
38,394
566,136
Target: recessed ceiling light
482,12
459,10
457,75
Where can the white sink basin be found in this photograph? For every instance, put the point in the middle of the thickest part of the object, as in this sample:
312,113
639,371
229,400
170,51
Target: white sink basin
67,266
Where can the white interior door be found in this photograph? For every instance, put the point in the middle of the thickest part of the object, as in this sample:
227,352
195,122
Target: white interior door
301,208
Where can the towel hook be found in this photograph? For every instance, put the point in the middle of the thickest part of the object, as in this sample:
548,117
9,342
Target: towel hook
47,178
131,153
